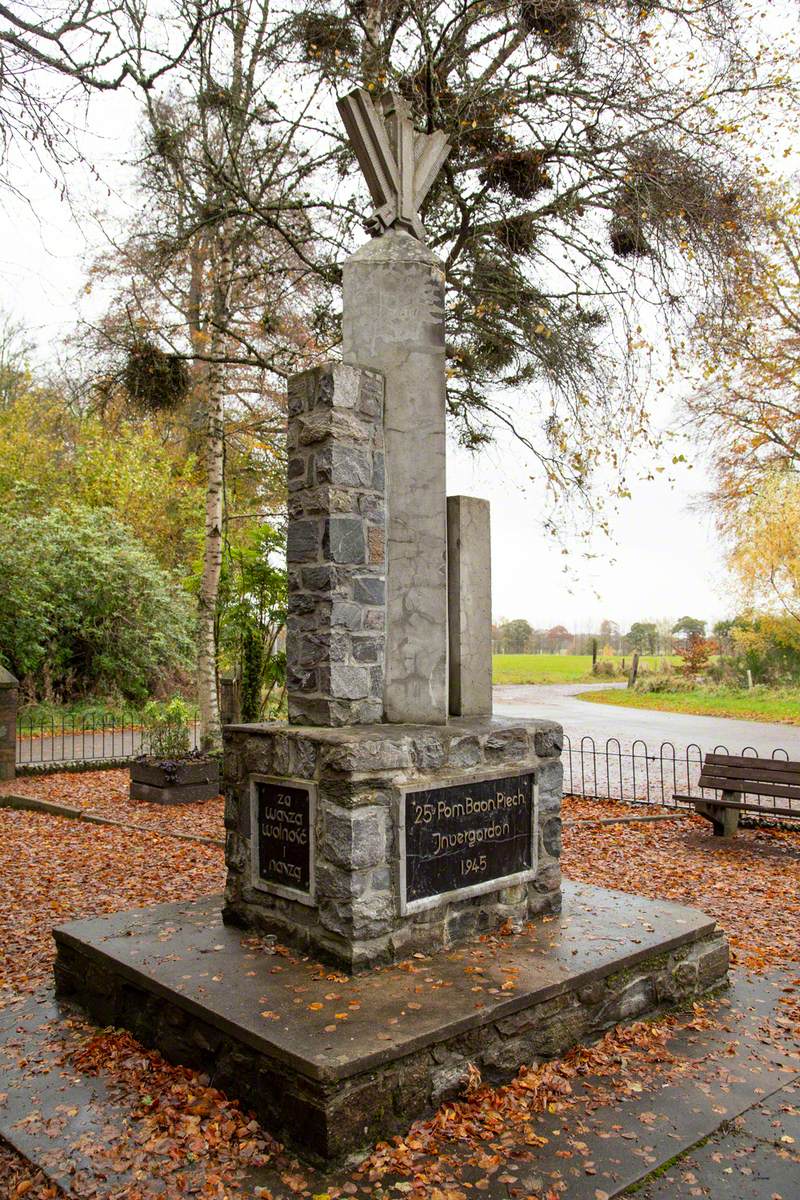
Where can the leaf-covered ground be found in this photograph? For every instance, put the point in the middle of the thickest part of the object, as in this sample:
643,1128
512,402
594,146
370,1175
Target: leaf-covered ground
55,869
106,793
750,883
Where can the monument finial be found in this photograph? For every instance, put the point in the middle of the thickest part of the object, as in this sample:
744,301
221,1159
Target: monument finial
398,162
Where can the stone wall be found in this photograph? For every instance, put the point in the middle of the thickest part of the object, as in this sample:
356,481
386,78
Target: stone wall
8,724
359,774
336,630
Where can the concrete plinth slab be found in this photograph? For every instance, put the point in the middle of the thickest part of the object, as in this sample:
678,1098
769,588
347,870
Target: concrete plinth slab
330,1063
84,1130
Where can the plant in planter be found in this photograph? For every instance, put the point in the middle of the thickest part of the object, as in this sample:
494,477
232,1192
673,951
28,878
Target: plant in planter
170,772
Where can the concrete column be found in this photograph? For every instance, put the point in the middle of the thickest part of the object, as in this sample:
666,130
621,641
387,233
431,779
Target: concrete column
8,724
394,323
469,574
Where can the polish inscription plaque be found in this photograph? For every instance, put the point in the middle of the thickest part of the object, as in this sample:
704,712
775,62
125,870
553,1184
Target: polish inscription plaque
283,815
468,837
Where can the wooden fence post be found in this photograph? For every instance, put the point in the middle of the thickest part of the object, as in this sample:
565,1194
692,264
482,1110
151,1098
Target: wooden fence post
634,670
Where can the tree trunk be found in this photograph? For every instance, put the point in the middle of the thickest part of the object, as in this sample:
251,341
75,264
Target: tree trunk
210,730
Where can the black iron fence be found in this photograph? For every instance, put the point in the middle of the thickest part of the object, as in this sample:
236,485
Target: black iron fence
90,737
640,774
633,773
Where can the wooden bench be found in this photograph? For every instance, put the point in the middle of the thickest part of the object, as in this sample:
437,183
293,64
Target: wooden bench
738,776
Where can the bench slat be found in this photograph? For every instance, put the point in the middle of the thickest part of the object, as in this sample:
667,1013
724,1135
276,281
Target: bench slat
741,775
718,769
745,760
776,811
750,787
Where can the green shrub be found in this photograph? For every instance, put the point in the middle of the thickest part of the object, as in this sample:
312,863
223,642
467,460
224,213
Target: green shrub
252,613
85,608
166,728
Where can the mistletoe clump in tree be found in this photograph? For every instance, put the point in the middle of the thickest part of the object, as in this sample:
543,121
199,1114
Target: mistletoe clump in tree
595,171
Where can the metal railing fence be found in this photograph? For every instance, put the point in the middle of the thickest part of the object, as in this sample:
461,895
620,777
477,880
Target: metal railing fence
641,775
631,774
92,736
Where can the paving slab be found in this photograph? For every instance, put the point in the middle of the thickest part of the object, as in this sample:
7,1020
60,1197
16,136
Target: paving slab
82,1130
753,1159
777,1119
623,1141
75,1126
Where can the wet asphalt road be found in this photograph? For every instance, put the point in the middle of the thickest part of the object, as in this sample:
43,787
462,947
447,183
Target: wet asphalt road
554,701
580,718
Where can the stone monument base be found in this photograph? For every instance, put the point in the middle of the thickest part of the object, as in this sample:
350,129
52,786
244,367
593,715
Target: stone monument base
364,843
331,1063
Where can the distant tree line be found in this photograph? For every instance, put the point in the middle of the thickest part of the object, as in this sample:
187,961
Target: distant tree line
753,647
663,637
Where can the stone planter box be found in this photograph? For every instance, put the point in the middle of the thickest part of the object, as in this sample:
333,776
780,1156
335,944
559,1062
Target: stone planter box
175,782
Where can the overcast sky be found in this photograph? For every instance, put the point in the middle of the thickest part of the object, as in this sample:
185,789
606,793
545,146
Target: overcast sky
662,561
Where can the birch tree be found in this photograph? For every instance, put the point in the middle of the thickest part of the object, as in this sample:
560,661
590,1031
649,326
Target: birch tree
208,316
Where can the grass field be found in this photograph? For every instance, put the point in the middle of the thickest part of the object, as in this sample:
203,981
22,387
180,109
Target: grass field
556,668
757,705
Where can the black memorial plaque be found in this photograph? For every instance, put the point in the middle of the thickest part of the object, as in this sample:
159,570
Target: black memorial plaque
284,817
467,834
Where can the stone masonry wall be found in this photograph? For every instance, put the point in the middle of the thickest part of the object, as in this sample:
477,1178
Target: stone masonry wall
8,724
359,773
336,630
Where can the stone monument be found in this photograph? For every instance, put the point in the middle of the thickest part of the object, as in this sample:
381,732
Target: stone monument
393,812
393,817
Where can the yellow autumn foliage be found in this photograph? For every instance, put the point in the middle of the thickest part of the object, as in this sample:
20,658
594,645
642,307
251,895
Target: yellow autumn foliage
53,454
766,555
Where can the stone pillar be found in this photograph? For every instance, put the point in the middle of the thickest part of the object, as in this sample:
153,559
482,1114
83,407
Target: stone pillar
8,724
336,628
469,582
394,323
230,708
